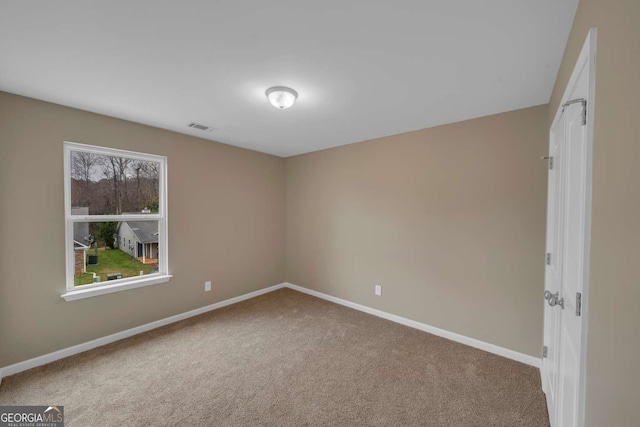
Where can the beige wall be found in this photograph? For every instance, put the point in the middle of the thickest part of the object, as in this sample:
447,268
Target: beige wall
449,220
613,340
226,224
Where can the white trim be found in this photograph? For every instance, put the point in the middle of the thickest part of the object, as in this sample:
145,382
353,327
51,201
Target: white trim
120,218
87,291
82,246
108,151
70,351
592,38
72,293
472,342
68,227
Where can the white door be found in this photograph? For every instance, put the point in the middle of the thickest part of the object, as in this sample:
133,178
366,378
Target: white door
553,274
573,266
568,228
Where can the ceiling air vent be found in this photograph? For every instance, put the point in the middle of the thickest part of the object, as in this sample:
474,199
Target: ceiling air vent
198,126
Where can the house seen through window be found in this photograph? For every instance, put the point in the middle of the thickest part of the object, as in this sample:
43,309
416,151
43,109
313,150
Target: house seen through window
115,216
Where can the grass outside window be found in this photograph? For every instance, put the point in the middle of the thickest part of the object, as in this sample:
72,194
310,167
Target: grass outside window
113,261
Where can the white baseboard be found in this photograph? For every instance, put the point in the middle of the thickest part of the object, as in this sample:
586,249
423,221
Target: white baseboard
472,342
70,351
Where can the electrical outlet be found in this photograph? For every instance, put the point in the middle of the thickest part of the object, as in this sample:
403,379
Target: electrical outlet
378,290
207,286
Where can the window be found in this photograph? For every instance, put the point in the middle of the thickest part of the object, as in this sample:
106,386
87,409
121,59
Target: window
113,196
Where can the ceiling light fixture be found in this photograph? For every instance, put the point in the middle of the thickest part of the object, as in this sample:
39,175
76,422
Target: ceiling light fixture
281,97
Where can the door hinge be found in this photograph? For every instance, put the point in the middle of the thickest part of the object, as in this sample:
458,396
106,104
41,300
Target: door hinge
584,108
550,158
548,258
544,351
578,304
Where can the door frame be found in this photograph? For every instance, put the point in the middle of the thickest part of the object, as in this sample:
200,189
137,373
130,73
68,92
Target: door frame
587,56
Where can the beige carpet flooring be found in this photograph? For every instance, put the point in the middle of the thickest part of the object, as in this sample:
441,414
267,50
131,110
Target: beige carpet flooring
284,359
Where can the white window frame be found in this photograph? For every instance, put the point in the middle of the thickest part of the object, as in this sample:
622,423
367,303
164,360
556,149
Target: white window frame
162,276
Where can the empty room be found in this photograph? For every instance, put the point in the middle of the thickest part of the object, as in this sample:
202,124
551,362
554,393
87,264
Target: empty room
408,213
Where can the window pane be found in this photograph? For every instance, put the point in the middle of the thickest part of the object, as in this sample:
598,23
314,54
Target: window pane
112,185
105,251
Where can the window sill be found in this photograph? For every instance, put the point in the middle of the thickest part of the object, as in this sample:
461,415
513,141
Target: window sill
116,287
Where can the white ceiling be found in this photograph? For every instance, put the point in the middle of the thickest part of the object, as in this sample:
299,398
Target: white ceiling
363,69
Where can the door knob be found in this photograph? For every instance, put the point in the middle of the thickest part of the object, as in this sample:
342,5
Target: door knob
554,299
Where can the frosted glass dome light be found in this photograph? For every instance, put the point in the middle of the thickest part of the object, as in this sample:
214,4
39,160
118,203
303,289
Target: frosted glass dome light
281,97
